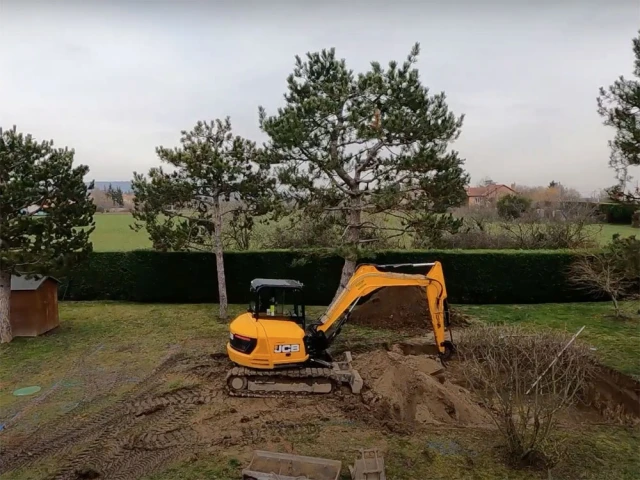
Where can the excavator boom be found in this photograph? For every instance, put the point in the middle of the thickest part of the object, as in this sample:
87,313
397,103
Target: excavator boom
369,278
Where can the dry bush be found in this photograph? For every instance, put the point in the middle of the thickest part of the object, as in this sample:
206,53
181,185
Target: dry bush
502,365
478,218
571,226
613,272
566,225
303,231
478,231
469,239
598,274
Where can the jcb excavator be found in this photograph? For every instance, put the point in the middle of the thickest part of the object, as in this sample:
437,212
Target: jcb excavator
277,351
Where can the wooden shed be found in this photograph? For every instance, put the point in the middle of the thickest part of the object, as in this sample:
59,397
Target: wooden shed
34,305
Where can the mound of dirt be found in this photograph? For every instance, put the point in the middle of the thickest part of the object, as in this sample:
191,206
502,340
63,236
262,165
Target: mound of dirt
405,390
399,308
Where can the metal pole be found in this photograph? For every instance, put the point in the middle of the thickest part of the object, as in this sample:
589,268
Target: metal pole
555,360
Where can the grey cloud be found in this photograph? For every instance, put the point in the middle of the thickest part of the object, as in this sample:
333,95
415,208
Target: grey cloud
116,79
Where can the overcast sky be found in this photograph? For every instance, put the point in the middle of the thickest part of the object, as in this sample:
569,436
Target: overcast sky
115,79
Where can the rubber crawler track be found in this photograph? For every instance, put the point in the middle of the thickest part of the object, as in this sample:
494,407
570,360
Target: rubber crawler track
293,374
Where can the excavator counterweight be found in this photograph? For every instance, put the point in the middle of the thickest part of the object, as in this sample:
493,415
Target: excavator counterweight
277,351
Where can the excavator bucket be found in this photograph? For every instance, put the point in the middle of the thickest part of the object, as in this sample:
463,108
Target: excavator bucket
284,466
370,466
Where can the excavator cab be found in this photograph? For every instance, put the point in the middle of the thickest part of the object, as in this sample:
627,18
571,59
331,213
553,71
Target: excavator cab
277,299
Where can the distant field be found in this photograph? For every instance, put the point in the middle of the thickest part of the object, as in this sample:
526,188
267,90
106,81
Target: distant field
609,230
113,233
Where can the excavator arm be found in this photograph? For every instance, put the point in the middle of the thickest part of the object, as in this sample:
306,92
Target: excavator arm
369,278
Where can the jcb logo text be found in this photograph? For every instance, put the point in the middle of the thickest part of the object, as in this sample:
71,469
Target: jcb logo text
287,348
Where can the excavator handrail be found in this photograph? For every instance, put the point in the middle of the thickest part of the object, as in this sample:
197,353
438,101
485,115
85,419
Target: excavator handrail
397,265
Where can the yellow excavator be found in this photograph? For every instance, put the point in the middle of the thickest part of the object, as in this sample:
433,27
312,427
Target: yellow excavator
277,351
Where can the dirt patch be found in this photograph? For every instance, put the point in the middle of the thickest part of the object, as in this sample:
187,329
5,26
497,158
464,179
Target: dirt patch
615,394
400,308
154,425
405,389
182,409
459,319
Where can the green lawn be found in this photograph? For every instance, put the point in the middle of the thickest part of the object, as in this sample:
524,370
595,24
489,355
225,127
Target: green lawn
617,341
105,347
606,231
113,233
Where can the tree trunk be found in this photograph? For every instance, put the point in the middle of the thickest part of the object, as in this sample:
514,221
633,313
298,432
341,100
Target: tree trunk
217,248
353,237
616,306
5,297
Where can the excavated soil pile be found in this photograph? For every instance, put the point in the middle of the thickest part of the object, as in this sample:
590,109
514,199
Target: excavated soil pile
399,308
410,389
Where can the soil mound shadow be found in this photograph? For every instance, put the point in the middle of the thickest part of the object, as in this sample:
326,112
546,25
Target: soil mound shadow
399,308
403,389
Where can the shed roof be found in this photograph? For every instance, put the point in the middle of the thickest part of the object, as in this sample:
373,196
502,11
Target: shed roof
20,283
257,283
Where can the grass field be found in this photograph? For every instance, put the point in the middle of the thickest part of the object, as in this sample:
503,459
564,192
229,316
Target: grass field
606,231
102,349
113,233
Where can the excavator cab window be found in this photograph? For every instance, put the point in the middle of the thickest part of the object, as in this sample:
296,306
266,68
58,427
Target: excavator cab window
281,299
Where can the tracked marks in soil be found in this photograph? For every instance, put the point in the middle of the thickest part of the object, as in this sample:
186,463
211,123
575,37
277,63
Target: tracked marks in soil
132,437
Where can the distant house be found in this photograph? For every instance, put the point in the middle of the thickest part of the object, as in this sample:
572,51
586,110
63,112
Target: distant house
489,195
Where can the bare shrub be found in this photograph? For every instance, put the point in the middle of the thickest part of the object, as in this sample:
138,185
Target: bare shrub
471,238
478,230
478,218
571,225
511,370
597,273
302,231
558,225
614,272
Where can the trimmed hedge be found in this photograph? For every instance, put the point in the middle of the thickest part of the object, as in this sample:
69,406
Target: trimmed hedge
618,213
474,276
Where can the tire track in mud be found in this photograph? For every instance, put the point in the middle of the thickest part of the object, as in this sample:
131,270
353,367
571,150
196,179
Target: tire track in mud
135,434
160,435
56,436
150,426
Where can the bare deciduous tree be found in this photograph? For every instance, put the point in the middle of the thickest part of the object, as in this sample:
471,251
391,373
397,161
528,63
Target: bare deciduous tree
598,274
502,366
614,272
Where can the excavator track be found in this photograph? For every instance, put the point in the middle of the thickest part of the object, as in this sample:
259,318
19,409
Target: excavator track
250,382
